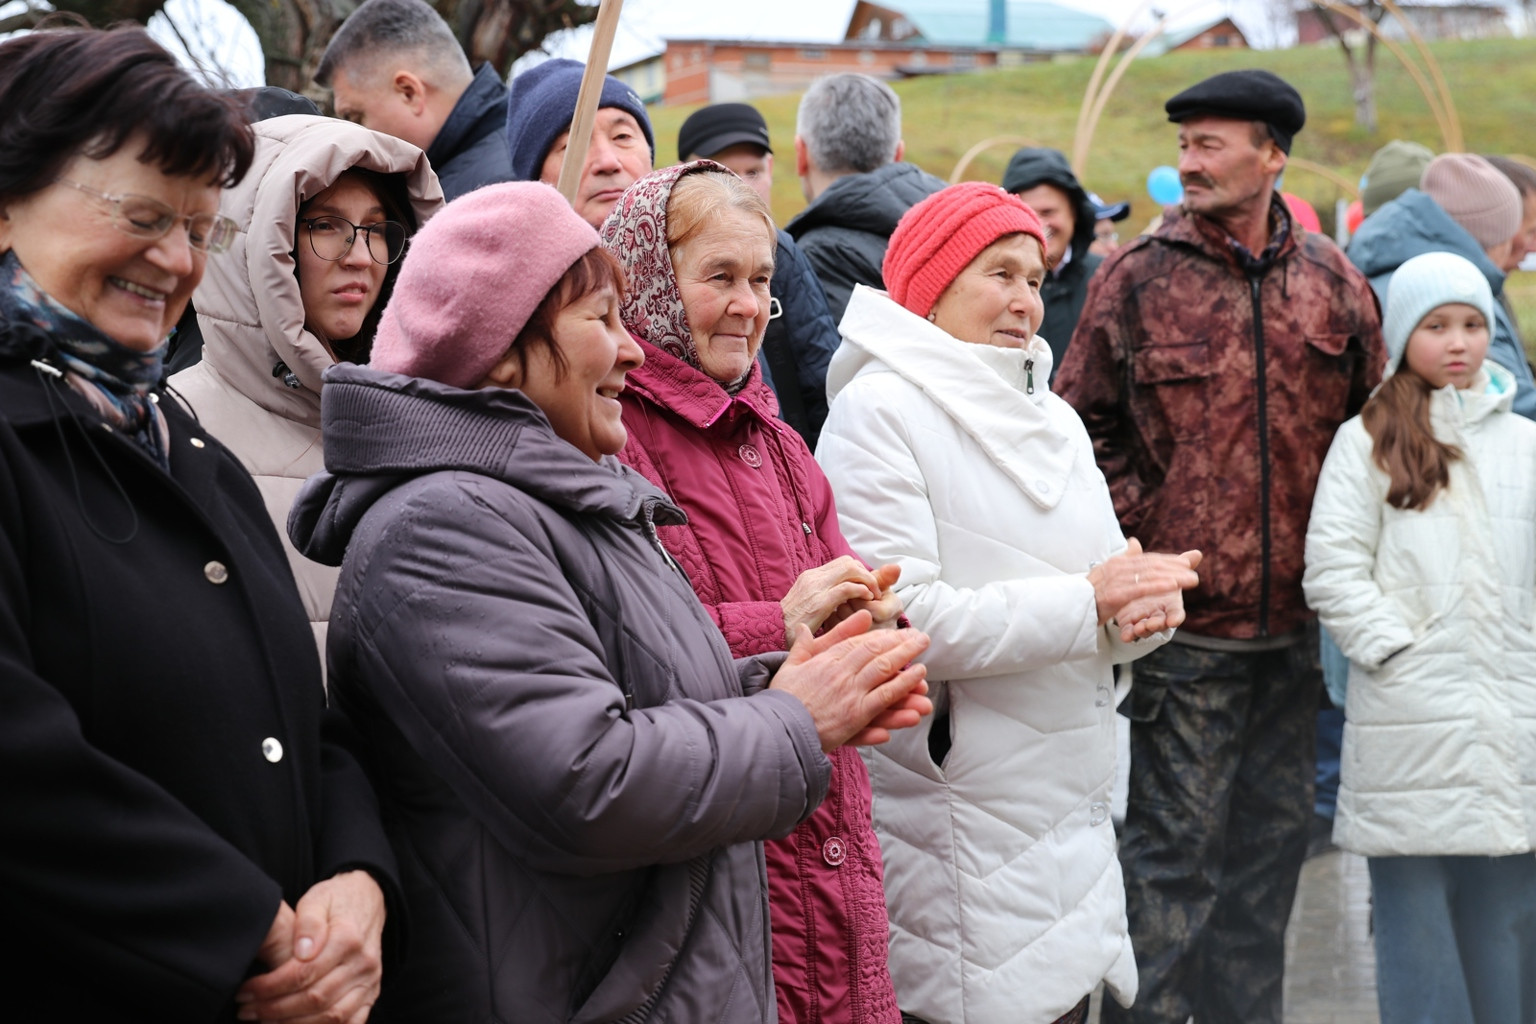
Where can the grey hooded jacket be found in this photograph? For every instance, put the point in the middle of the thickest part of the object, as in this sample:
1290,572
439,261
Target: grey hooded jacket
570,771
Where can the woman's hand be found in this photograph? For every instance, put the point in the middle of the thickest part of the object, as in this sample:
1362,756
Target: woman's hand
818,593
1143,592
326,955
885,609
857,683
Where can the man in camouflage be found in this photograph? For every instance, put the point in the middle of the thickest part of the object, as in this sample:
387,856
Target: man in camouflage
1213,362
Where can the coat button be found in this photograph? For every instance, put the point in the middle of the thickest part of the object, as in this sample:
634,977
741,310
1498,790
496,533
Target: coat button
196,442
1043,486
833,851
271,749
1104,694
750,455
1098,813
216,573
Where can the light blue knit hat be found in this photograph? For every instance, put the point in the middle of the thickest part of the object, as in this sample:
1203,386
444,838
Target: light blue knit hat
1423,283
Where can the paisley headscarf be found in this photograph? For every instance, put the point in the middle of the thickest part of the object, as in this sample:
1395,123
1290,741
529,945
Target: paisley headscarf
636,232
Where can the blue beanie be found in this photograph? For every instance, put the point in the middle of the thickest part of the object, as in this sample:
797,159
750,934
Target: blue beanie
541,104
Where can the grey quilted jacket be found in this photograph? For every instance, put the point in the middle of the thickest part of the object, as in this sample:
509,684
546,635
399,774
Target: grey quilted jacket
572,773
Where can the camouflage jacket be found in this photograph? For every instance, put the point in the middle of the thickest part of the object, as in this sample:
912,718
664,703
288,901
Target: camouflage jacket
1211,390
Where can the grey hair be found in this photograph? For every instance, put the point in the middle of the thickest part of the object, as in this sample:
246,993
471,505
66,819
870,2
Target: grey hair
851,123
382,29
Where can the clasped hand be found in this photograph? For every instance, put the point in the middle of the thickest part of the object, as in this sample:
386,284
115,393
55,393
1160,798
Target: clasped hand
326,956
1143,592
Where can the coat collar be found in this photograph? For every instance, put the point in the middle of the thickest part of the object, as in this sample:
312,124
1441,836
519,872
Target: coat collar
1206,235
695,396
1012,427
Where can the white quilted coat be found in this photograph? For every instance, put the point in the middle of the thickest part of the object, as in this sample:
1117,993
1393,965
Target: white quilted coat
252,318
1436,611
1005,896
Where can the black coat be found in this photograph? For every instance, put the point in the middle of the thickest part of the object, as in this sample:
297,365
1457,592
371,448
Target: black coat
470,149
845,230
153,655
799,342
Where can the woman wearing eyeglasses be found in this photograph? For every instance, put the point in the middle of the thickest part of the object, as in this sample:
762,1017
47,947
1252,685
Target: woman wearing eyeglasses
184,833
324,216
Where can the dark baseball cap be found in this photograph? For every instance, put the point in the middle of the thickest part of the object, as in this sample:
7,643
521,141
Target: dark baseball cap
711,129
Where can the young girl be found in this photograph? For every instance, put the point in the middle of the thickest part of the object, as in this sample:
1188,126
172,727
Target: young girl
1421,561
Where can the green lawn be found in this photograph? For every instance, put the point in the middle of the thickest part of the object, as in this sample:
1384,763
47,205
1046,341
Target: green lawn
1491,83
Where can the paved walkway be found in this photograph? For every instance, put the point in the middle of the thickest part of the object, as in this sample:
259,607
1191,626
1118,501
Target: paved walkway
1330,971
1330,967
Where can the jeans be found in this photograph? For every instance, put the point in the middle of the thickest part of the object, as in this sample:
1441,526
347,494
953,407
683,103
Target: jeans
1455,939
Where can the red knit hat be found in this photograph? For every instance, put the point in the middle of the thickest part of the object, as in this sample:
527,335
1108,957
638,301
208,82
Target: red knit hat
939,237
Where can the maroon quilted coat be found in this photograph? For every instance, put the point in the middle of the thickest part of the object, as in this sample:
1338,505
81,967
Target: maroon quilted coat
760,513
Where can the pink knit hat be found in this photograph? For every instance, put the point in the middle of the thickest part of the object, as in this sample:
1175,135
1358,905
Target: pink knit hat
473,276
1476,195
939,237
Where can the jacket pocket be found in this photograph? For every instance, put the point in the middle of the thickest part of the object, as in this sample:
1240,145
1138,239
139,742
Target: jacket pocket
1175,379
1330,370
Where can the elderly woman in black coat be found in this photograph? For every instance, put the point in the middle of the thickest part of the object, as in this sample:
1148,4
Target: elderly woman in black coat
182,835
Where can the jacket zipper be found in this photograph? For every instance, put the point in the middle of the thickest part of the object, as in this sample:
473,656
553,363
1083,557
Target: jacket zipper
1255,286
1029,376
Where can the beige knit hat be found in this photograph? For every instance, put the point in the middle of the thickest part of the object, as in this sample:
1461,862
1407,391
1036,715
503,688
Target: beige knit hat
1476,195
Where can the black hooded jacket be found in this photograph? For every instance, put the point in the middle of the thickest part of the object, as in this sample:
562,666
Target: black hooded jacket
845,230
1064,290
471,147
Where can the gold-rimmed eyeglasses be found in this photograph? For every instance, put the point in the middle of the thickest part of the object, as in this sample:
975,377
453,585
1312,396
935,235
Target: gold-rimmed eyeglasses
143,217
331,238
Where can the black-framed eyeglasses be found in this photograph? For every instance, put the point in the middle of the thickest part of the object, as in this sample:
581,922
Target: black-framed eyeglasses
331,238
143,217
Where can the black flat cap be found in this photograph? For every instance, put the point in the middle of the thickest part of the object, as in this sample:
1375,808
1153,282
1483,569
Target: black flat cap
1247,95
711,129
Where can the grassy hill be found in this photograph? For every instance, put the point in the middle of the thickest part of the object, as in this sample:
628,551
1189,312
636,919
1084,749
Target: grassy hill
1492,84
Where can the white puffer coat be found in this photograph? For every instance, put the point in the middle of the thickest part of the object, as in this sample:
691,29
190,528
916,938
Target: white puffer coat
252,318
1436,611
1005,896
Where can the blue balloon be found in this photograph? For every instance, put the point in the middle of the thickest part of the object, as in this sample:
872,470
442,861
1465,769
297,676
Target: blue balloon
1164,187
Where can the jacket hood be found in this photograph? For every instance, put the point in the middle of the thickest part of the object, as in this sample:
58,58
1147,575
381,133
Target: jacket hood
248,303
382,429
872,202
1004,420
1409,226
1041,166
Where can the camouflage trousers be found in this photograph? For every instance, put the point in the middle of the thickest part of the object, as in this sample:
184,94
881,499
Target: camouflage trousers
1222,764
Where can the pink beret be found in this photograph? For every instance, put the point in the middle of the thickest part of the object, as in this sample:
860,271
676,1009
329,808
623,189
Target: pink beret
472,278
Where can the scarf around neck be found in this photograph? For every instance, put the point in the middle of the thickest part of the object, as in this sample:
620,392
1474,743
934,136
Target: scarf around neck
114,378
636,233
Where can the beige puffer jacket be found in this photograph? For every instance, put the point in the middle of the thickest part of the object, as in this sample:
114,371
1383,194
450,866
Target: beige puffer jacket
252,318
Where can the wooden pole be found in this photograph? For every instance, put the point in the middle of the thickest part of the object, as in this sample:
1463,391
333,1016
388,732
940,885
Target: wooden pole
605,28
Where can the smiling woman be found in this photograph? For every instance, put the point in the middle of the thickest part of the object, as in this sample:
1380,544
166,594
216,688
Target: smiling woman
580,770
185,830
761,546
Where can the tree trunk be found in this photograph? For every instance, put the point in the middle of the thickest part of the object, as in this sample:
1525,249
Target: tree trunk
293,33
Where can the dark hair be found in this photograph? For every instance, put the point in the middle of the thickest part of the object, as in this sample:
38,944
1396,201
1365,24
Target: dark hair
387,28
393,195
1521,174
597,270
1404,444
72,91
